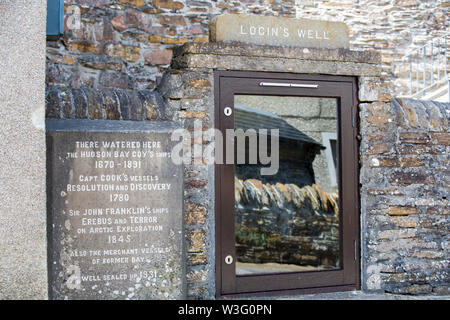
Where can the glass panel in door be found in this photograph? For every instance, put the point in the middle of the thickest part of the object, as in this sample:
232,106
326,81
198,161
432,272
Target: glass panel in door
288,221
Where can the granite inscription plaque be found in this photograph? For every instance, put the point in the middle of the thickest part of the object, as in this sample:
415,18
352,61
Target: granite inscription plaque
115,216
279,31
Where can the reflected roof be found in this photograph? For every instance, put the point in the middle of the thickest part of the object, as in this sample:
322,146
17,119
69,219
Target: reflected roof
250,118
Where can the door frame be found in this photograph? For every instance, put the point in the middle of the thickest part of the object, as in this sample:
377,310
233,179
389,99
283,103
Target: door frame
228,83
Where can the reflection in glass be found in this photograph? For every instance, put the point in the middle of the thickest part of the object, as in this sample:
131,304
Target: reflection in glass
289,222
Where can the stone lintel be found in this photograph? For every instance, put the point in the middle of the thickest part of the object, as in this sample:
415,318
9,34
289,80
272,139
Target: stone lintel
311,54
271,64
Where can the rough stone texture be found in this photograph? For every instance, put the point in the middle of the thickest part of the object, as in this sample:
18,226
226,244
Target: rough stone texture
112,104
263,30
404,197
297,60
226,49
183,97
79,58
394,27
262,212
189,96
123,35
23,267
102,249
404,159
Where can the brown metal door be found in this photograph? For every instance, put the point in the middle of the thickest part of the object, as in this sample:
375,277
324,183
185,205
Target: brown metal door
297,230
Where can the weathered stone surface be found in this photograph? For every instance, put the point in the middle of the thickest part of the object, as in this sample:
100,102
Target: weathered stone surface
167,40
115,210
196,101
249,50
196,259
279,31
110,79
414,137
402,211
197,240
409,26
84,46
138,3
441,138
81,103
312,214
369,88
111,104
195,213
403,196
276,65
200,83
414,289
369,30
408,178
54,106
172,20
179,84
158,57
416,114
127,53
168,4
118,22
404,222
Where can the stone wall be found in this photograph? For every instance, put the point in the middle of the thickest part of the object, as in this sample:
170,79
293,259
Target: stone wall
110,104
404,164
128,43
186,94
282,223
394,27
404,159
404,196
182,97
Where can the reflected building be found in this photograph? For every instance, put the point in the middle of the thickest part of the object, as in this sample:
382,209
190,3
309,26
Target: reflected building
289,221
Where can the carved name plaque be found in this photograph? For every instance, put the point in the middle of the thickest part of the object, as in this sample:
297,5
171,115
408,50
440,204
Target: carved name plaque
114,211
276,31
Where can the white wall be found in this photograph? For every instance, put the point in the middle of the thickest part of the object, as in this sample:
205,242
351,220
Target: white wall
23,256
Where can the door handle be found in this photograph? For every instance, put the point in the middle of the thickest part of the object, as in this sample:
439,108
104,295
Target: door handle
289,85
